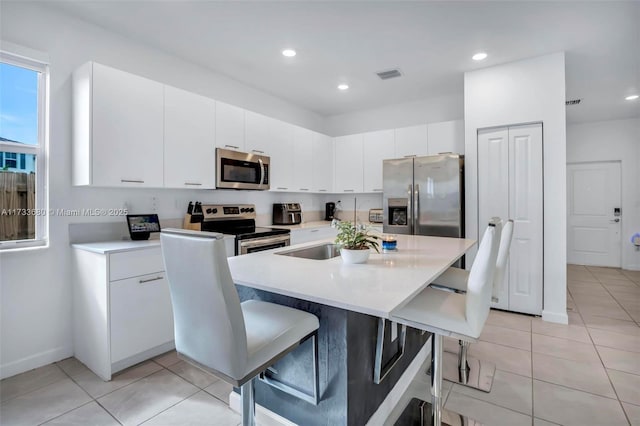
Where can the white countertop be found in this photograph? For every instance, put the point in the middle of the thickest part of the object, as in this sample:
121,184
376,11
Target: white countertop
318,224
107,247
386,282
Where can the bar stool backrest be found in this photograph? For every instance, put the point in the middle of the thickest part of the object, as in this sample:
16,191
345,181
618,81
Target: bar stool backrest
503,256
208,321
480,284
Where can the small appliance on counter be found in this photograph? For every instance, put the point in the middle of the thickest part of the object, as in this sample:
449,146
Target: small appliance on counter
287,214
376,216
329,211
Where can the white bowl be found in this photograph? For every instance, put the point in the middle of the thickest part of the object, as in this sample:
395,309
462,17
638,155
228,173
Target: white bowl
354,256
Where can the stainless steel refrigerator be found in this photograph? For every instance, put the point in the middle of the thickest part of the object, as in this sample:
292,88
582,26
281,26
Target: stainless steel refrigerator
424,195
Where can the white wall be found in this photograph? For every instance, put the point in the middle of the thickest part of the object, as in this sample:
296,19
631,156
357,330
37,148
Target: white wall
531,90
616,140
432,110
35,289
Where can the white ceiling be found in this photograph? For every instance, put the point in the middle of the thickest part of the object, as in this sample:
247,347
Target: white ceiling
431,42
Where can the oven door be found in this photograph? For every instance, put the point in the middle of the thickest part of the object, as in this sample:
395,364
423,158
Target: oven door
241,170
261,244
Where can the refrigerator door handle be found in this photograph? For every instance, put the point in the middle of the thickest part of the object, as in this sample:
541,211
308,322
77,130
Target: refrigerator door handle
416,208
410,209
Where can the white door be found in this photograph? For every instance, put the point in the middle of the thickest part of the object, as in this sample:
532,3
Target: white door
593,228
510,186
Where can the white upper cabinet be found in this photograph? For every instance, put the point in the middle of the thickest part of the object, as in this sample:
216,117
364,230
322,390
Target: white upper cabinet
118,128
229,126
302,159
377,146
189,140
447,136
281,166
256,133
411,141
323,167
349,163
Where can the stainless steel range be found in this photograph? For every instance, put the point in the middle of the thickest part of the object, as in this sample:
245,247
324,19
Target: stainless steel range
239,220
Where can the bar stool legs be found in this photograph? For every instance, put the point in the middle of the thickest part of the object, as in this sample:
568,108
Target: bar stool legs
248,404
436,379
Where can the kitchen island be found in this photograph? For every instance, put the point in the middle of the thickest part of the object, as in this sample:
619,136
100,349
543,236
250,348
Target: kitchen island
350,301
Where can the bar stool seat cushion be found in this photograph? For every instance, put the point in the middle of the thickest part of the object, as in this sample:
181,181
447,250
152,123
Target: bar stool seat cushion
271,328
438,311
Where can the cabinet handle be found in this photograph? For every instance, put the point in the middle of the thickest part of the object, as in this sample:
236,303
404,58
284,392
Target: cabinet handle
131,181
232,146
193,183
377,189
258,151
281,187
348,190
409,156
304,189
322,190
314,230
148,280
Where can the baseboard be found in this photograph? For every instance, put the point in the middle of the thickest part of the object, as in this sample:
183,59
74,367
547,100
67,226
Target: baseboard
393,398
35,361
557,317
632,268
265,417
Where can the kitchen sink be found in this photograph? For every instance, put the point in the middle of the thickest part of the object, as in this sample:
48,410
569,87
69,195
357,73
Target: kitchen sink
319,252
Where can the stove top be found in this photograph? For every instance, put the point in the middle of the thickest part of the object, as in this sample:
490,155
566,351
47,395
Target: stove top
238,220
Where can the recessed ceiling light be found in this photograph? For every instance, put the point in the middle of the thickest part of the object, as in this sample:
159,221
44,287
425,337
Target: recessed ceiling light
479,56
631,97
343,86
289,53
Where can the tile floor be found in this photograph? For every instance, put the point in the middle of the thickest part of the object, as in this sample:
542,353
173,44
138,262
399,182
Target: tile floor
586,373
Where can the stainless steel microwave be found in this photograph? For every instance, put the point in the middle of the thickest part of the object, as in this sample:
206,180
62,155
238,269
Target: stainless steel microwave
241,170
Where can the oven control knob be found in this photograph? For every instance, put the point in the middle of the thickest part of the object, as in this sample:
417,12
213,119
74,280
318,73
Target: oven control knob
215,211
251,209
209,211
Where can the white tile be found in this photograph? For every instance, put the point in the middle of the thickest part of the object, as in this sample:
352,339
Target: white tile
96,387
43,404
617,359
569,407
143,399
565,331
167,359
563,348
585,376
611,324
193,374
220,390
509,320
609,339
29,381
505,358
509,390
199,409
633,413
484,412
540,422
89,414
627,386
506,336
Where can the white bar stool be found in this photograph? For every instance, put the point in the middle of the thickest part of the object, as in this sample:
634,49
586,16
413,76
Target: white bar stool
214,331
475,373
462,316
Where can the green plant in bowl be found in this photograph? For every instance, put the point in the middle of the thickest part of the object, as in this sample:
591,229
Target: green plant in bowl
351,237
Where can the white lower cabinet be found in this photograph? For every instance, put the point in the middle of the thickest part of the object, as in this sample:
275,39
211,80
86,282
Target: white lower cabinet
122,308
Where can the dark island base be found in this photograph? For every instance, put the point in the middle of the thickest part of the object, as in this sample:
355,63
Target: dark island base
346,350
418,413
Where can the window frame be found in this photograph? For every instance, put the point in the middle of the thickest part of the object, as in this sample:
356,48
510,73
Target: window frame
41,151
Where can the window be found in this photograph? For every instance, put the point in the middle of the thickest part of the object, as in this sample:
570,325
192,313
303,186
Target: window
23,112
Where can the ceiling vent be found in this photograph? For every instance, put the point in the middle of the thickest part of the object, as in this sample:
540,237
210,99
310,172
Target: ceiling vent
386,75
573,102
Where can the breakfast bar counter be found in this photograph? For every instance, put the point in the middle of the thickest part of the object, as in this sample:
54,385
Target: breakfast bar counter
352,302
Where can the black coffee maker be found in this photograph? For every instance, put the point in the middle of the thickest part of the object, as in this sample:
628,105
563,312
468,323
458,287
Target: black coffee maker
329,211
